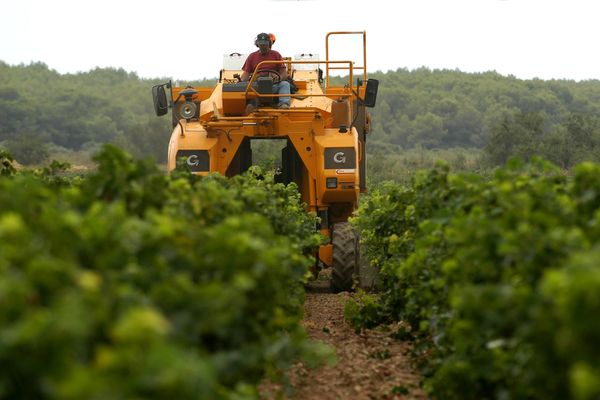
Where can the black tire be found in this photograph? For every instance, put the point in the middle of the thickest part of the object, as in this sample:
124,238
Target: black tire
345,257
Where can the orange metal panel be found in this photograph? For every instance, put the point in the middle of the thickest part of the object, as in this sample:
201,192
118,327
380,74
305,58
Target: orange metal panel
311,124
326,254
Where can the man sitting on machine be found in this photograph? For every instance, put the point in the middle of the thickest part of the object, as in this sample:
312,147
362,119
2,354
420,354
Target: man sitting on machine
278,72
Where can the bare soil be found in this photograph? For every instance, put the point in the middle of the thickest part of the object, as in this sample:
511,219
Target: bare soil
370,365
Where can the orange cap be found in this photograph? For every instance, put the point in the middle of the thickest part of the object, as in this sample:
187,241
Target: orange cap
272,37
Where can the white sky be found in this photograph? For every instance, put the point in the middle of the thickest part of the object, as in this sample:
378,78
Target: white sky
187,39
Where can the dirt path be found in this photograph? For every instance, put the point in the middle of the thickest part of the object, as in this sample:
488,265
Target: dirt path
370,365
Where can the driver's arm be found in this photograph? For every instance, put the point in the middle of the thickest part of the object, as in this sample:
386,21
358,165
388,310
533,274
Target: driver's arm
283,73
282,70
245,76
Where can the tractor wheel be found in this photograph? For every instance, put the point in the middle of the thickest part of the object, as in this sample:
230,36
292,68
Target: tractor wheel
345,256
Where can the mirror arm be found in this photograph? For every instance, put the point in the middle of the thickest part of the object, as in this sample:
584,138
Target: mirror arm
359,101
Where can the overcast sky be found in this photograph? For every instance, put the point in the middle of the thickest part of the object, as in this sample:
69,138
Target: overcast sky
187,39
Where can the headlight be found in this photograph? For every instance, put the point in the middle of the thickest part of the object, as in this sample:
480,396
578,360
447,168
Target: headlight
331,183
188,110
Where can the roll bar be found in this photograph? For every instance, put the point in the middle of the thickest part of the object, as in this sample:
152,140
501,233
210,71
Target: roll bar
350,67
364,66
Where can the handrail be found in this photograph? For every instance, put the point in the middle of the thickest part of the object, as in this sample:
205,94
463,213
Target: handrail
364,67
303,95
263,117
254,76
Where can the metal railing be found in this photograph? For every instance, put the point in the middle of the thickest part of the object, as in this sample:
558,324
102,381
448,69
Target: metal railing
364,66
249,88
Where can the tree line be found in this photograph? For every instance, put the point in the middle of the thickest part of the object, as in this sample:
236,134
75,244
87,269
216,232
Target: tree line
431,109
449,108
42,110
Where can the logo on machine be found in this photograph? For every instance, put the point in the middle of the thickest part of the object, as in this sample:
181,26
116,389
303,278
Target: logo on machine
196,160
193,160
340,158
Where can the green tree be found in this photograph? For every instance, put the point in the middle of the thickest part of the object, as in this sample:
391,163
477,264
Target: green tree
517,135
28,149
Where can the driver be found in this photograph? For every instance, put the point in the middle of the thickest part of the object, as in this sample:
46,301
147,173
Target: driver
264,41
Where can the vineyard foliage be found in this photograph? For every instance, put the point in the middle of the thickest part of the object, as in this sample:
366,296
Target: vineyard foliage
6,164
497,278
131,283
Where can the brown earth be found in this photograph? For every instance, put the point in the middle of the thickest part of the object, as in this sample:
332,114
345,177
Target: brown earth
370,365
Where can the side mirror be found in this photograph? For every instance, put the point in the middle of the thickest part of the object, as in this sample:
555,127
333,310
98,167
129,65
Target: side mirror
159,96
371,92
